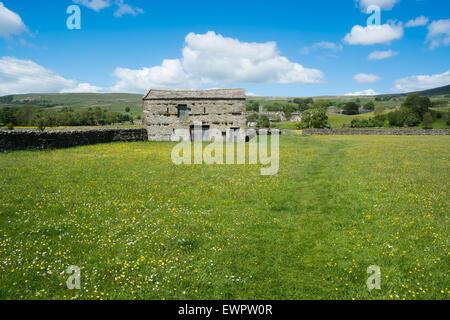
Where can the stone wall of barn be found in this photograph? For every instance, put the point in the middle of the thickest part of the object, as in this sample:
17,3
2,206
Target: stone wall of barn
161,116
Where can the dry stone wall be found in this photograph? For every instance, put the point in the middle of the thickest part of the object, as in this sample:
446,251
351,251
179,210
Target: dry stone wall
390,132
51,139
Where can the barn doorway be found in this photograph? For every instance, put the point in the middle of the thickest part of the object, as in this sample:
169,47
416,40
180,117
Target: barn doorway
234,134
200,135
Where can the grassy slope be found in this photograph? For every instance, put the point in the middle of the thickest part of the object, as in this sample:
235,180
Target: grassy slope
111,101
141,227
338,120
442,122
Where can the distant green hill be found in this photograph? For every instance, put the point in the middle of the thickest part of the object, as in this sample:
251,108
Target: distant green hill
111,101
119,101
445,90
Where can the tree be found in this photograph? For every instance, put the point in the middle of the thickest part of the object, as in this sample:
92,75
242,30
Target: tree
351,108
417,104
324,104
254,106
448,118
428,120
303,104
127,109
40,121
288,109
25,115
403,116
7,116
275,107
369,105
314,118
263,122
411,120
6,99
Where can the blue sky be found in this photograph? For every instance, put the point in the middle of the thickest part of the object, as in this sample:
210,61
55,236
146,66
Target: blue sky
271,48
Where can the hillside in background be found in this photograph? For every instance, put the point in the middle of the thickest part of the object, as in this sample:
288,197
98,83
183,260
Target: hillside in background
441,91
109,101
120,101
445,90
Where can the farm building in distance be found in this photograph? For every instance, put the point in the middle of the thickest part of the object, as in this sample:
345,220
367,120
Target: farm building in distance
166,111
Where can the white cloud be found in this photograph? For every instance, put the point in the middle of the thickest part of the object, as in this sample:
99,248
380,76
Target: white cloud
211,59
218,59
368,92
439,33
366,78
25,76
322,45
96,5
122,7
10,22
170,75
418,22
380,55
421,82
83,88
370,35
383,4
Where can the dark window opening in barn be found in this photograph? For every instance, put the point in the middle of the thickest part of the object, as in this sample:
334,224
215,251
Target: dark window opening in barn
182,111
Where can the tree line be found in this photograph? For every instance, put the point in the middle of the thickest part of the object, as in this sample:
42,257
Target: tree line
29,115
415,110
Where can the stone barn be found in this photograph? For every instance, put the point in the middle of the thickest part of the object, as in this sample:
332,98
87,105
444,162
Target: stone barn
165,111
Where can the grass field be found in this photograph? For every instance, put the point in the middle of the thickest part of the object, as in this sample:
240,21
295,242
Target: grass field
142,228
338,120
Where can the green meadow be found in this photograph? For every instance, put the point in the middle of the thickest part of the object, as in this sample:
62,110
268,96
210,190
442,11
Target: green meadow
140,227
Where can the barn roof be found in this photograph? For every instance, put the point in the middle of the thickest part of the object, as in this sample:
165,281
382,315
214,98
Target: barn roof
216,94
